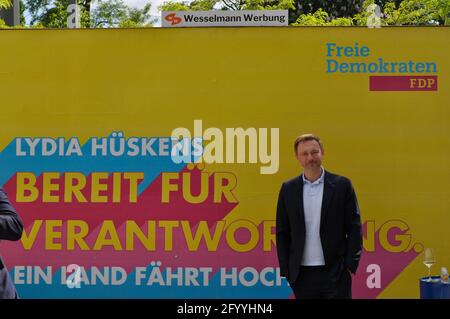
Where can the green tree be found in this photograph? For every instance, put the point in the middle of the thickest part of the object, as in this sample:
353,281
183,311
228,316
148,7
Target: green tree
441,11
53,13
54,17
106,13
360,18
198,5
174,6
138,17
4,4
257,4
334,9
321,18
114,13
205,5
413,12
409,12
406,12
268,5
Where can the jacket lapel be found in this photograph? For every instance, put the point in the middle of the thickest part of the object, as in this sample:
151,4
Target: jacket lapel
328,191
299,202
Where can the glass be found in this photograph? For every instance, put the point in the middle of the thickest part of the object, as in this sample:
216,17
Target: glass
429,260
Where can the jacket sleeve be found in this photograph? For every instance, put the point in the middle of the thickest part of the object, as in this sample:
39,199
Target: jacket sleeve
353,230
11,226
283,237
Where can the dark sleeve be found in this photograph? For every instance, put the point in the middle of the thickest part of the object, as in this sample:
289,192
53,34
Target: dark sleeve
11,226
353,230
283,237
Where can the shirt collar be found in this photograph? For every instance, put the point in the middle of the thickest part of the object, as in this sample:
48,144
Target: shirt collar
318,181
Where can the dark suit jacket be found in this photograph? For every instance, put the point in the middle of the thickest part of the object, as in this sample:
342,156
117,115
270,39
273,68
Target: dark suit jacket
10,229
340,226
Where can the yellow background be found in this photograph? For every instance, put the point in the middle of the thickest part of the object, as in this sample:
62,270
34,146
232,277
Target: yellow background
394,146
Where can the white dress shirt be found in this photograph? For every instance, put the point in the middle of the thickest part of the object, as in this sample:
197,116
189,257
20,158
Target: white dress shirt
312,204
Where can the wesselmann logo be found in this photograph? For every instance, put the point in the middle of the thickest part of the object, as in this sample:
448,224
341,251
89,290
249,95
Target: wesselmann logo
173,18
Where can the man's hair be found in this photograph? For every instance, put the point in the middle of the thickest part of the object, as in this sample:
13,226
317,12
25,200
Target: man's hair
307,137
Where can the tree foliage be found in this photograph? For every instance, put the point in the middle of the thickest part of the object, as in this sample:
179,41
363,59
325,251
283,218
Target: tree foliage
334,9
406,12
206,5
54,12
115,13
413,12
321,18
198,5
4,4
93,14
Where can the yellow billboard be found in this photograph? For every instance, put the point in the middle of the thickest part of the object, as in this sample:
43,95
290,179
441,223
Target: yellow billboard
112,210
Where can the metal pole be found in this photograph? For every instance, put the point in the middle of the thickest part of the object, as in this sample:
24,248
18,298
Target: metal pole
73,15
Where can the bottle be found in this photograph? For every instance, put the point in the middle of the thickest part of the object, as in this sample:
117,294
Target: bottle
444,275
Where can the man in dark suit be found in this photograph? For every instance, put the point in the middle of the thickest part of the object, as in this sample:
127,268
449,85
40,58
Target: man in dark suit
318,228
10,229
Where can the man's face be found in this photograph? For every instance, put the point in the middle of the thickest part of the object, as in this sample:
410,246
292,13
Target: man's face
309,154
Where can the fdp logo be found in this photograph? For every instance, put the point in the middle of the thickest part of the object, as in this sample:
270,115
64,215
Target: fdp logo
173,19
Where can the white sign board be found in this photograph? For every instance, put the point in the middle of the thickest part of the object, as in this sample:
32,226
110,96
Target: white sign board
221,18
